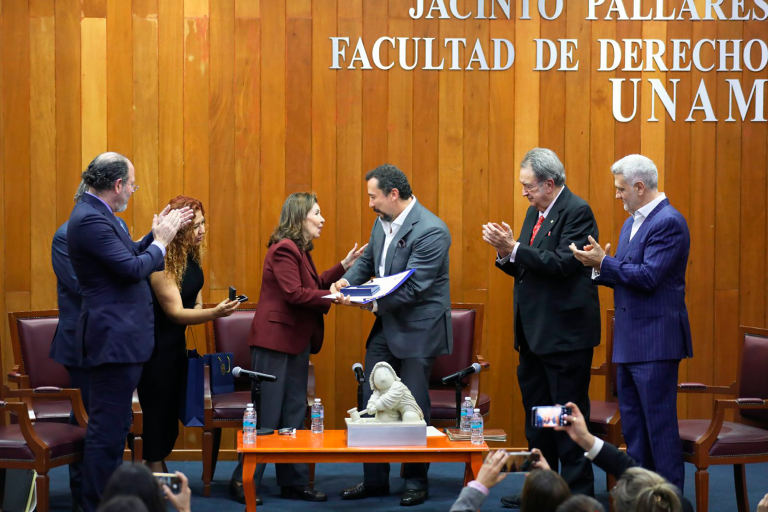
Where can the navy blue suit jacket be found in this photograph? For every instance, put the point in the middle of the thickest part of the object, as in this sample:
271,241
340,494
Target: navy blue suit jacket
116,323
648,278
63,348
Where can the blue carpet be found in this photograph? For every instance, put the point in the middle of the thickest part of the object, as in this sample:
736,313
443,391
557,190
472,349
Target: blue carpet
445,485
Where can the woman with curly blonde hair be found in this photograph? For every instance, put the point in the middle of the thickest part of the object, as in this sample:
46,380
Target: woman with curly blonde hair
178,302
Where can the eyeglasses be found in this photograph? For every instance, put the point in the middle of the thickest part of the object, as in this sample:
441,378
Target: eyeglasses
531,188
134,187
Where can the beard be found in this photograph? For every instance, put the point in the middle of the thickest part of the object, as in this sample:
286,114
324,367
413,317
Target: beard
383,216
123,204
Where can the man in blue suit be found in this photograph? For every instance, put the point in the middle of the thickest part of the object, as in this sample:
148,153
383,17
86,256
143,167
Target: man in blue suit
63,349
651,333
115,330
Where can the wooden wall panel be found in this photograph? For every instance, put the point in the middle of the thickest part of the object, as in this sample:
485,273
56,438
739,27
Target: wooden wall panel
42,85
16,140
233,101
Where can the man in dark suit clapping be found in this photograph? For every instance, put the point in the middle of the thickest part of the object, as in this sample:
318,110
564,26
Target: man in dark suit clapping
64,347
556,308
115,331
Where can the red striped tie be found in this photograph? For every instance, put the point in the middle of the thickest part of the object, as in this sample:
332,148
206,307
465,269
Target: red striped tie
536,229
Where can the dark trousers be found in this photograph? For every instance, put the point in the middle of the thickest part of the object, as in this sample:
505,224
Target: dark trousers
283,405
109,420
551,379
79,378
648,406
414,373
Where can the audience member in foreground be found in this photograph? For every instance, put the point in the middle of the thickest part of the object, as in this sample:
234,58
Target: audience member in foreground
641,490
580,503
615,462
543,491
474,493
137,480
763,505
123,504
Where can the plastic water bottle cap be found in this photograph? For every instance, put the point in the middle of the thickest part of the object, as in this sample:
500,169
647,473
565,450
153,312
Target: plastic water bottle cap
467,398
317,400
477,410
250,405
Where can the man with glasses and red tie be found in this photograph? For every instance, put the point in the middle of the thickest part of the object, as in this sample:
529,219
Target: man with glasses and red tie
556,308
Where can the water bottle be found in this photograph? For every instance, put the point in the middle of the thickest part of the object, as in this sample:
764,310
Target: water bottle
466,414
317,417
477,427
249,426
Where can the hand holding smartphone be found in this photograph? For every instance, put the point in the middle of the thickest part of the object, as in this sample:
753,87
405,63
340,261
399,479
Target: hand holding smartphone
172,480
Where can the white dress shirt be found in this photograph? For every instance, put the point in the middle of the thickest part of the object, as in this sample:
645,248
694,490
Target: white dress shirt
638,218
390,230
511,256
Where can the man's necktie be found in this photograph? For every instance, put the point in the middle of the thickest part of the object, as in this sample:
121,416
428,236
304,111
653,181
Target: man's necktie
536,229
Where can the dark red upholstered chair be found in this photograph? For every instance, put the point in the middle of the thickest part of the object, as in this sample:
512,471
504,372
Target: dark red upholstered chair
467,322
604,418
41,445
31,336
230,334
744,441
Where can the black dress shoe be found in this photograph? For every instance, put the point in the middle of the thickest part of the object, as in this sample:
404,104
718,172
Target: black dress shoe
302,492
77,507
413,497
361,491
512,501
238,493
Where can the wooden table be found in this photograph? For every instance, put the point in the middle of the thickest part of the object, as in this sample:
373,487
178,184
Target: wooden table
331,447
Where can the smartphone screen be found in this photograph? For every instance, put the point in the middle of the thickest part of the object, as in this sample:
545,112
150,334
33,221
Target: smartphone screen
519,462
549,416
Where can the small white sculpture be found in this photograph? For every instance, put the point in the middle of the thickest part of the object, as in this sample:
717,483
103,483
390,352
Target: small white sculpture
391,399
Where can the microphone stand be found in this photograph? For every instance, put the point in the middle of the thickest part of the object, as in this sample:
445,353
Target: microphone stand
360,395
256,399
459,387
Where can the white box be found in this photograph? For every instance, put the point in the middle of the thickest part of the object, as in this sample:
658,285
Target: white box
368,432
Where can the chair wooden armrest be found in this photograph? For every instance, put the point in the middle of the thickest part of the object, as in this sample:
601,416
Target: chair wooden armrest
51,393
37,445
483,363
599,370
15,376
706,441
207,401
138,415
698,387
311,393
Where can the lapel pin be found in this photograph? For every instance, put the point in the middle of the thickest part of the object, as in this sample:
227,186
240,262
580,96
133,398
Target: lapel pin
552,221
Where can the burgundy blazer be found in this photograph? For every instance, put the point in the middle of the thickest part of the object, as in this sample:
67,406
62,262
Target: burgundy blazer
291,308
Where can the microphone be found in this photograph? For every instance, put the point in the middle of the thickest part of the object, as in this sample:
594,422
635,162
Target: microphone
358,369
475,368
239,372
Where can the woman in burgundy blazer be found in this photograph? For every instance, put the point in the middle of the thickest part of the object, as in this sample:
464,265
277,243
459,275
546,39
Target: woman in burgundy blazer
287,327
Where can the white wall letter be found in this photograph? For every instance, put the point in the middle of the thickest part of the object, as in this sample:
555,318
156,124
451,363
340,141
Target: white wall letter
617,99
670,104
540,54
497,54
377,52
706,105
758,92
337,51
478,56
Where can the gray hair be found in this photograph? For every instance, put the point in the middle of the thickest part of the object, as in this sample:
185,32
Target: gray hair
637,168
105,170
635,483
81,188
545,165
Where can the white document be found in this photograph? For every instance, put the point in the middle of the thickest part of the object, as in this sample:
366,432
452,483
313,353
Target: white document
386,285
